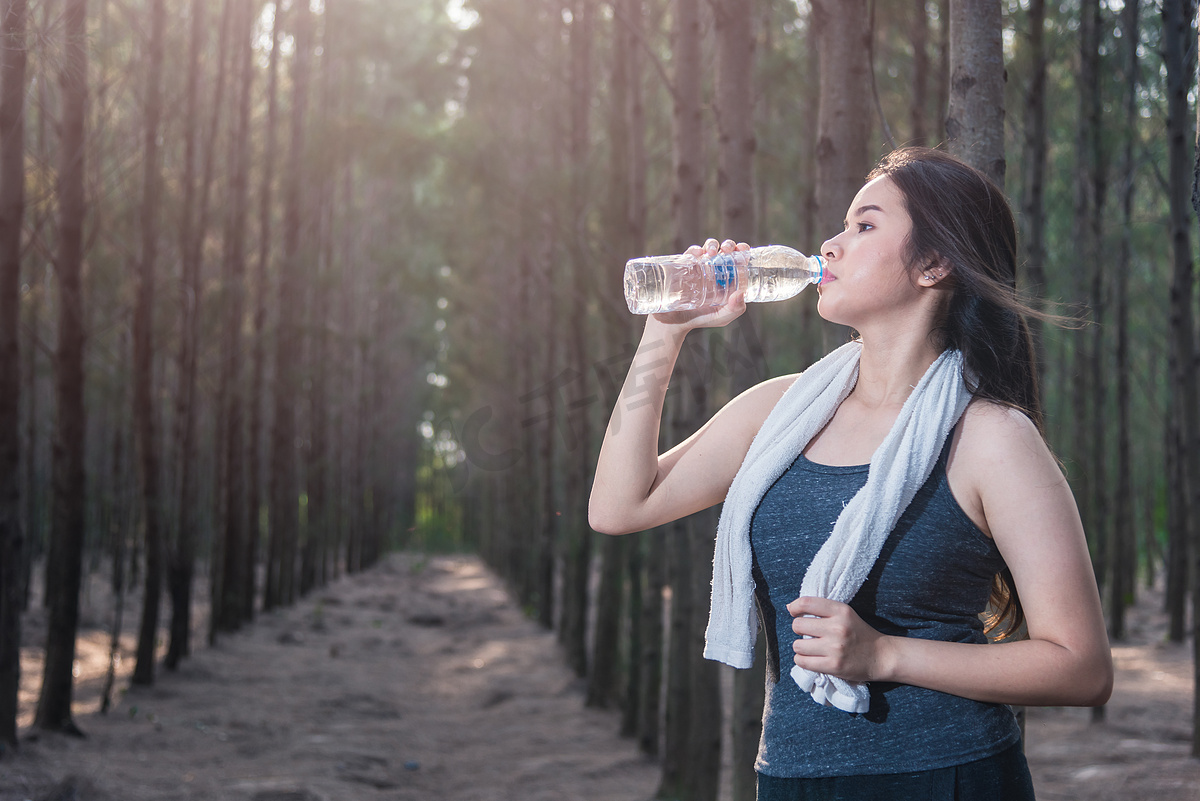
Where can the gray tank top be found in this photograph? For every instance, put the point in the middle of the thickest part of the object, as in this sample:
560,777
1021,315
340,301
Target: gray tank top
932,580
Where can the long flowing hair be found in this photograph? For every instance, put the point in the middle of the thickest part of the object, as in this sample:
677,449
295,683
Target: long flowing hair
962,221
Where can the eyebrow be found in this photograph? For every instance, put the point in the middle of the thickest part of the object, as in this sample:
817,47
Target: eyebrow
863,210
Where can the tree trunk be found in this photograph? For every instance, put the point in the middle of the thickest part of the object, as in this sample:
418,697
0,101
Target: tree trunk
1195,487
183,556
261,291
603,675
943,70
702,778
548,536
650,658
285,490
842,155
646,574
579,450
842,151
735,95
1176,42
615,560
143,350
1124,541
975,120
12,213
690,765
919,108
320,520
679,717
1090,188
32,489
65,553
118,525
1178,37
1033,160
632,689
229,565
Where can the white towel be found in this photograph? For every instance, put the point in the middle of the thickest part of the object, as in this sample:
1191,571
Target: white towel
898,468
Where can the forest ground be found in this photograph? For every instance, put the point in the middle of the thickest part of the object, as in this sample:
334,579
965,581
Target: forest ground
422,679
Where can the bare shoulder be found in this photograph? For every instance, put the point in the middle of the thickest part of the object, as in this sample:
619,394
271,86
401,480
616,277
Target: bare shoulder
992,433
752,406
769,392
999,457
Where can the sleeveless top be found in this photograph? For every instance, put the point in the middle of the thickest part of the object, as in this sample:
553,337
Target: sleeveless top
932,579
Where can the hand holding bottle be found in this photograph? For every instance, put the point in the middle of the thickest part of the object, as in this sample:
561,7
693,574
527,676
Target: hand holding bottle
708,316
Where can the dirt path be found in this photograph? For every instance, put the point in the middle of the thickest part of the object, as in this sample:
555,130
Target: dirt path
422,680
1140,751
417,680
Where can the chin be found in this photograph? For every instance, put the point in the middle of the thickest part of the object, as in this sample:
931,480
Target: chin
828,313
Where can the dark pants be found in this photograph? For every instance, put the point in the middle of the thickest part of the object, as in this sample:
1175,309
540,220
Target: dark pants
1003,777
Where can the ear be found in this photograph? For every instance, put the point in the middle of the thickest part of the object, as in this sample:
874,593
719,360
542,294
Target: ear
934,273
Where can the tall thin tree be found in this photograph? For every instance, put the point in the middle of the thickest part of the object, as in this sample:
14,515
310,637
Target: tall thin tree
735,116
285,482
1123,582
975,118
842,152
1195,488
579,459
603,673
1178,35
64,556
12,213
144,412
919,107
227,606
1182,478
1033,161
259,351
181,565
1091,387
692,735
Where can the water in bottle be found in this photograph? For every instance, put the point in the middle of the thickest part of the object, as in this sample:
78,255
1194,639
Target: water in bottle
676,283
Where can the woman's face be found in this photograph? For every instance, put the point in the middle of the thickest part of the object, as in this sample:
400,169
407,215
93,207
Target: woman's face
868,278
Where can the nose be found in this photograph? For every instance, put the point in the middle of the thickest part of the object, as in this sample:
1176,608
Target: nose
831,248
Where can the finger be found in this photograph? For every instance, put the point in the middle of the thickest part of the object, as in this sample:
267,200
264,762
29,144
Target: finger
813,605
811,647
734,307
728,246
695,250
712,245
742,246
809,626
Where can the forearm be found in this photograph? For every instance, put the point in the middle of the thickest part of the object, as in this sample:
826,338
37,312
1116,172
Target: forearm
628,464
1028,672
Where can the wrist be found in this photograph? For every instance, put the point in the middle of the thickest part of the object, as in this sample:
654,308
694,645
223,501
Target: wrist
657,333
887,658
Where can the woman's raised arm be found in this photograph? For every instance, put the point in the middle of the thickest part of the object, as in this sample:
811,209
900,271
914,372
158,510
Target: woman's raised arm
635,488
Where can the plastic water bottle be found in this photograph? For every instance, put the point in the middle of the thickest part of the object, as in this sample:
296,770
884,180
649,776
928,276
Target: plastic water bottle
677,283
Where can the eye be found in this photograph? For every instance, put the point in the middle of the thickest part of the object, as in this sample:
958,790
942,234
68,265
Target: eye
864,226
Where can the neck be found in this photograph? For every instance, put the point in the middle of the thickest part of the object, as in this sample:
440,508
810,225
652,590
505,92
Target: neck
890,368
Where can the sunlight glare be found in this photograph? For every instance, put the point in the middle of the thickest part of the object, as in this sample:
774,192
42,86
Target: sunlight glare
462,17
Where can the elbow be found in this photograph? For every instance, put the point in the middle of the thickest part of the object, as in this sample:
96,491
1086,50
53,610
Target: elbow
1095,681
604,523
1102,684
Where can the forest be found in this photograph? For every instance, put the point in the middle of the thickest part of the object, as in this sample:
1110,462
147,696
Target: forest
289,286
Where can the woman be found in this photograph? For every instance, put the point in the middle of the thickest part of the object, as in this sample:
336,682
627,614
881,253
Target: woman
924,271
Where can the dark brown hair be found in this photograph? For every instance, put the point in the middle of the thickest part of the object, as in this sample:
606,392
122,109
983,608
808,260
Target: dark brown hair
961,221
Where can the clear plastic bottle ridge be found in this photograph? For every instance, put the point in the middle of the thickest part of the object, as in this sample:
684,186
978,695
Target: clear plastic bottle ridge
676,283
